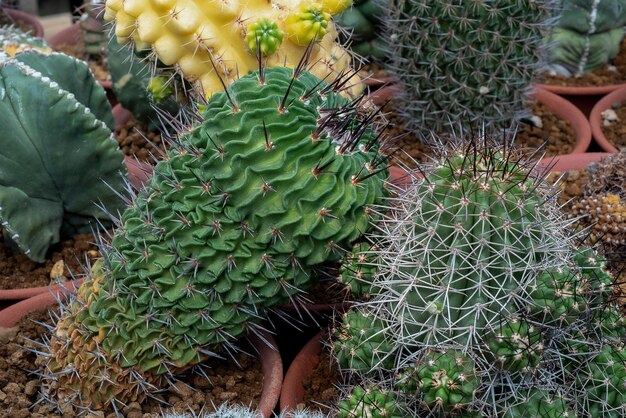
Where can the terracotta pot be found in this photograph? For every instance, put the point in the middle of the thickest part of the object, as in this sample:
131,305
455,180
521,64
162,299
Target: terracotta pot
301,367
569,162
71,35
616,97
26,19
584,98
271,363
381,89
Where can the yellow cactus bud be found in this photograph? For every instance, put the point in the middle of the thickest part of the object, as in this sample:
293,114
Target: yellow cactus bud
307,25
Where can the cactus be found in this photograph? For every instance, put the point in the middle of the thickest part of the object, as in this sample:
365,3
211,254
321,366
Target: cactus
357,270
240,411
587,36
483,301
369,401
212,42
144,91
277,177
362,27
468,62
93,27
13,41
56,123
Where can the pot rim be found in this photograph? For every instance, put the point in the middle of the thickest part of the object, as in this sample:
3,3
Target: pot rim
595,118
27,18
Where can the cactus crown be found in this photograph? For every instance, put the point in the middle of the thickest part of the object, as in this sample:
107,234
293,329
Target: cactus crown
276,177
464,61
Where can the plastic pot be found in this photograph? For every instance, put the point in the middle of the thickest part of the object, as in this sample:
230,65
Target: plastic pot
616,97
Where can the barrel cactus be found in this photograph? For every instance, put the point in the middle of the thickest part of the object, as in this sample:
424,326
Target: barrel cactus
587,36
215,42
93,27
483,303
278,177
14,40
468,62
59,155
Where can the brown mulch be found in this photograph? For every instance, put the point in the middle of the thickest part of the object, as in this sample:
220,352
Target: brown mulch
133,138
97,64
17,271
19,389
616,132
557,134
613,73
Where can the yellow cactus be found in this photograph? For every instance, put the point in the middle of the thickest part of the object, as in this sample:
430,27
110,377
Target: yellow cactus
198,35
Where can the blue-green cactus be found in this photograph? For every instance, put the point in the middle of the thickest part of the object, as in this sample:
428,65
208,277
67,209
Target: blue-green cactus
588,35
59,156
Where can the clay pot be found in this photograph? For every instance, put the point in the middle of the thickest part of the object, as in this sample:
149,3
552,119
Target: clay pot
381,89
570,162
271,363
595,119
71,35
584,98
301,367
567,111
26,19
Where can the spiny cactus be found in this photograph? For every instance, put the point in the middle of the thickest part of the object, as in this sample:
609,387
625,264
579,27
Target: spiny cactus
587,35
369,401
467,62
362,27
211,42
486,308
58,151
240,411
277,177
357,270
147,92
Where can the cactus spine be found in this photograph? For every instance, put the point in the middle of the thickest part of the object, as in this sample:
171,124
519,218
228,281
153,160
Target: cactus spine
277,177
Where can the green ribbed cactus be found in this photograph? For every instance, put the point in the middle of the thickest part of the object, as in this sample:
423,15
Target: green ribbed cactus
475,260
14,40
357,270
464,61
587,36
278,177
59,156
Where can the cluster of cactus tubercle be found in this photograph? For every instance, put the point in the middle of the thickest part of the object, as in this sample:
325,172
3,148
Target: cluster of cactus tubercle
239,411
587,36
56,122
467,63
278,176
484,305
13,40
215,42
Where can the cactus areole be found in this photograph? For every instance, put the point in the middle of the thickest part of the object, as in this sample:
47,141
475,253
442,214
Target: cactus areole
277,177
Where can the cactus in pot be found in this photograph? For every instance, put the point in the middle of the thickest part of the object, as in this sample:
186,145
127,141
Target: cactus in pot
59,155
93,27
277,177
587,35
215,42
464,62
484,306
